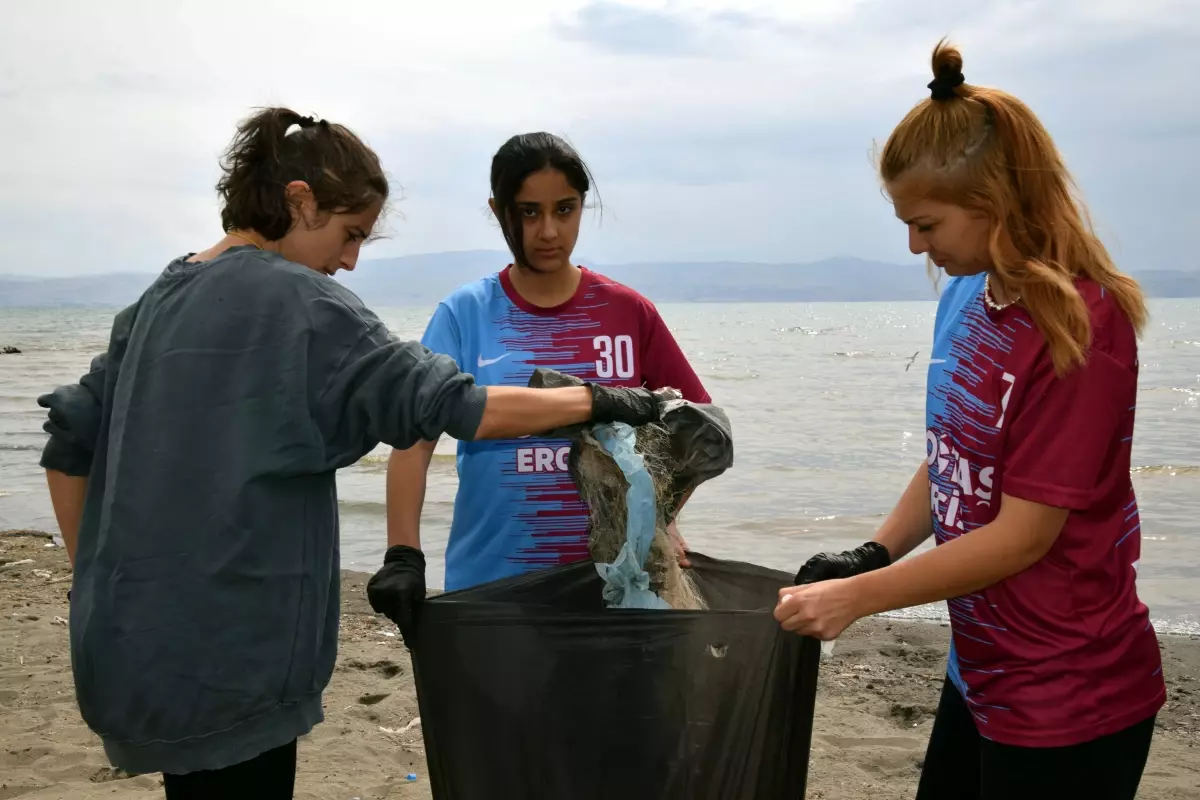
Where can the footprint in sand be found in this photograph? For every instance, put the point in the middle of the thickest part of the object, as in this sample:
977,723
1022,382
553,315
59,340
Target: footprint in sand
388,669
372,699
912,714
22,756
848,742
913,655
107,774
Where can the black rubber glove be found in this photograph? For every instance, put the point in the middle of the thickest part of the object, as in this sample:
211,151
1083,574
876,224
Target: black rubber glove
826,566
632,405
398,588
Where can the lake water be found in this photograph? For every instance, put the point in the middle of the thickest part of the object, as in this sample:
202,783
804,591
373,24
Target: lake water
828,424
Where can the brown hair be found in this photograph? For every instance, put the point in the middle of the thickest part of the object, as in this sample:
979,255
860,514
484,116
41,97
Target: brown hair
985,150
345,175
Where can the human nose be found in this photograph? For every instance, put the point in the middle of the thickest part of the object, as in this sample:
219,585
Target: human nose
548,230
350,256
916,242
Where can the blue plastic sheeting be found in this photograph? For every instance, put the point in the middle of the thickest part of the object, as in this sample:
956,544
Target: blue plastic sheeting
626,582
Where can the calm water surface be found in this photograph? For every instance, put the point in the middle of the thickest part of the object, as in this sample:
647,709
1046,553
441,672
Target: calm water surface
827,416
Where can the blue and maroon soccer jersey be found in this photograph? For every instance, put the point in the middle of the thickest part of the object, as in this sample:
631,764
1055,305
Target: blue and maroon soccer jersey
1063,652
517,508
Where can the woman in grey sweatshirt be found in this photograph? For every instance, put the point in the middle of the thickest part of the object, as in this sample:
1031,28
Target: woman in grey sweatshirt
192,468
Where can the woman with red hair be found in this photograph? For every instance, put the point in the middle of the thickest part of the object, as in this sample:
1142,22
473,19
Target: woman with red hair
1054,676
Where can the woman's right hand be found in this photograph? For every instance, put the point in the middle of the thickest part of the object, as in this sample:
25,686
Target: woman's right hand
632,405
513,411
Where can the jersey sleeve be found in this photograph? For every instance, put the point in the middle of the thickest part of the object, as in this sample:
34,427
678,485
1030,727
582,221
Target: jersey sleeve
442,335
663,362
1068,430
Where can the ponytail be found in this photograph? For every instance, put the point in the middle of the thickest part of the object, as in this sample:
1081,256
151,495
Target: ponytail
985,150
266,155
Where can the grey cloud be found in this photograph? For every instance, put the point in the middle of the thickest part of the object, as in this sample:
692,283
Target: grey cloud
1016,27
624,30
725,150
620,29
1120,104
775,171
742,20
932,18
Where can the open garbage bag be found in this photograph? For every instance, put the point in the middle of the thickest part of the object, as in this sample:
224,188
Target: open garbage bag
531,689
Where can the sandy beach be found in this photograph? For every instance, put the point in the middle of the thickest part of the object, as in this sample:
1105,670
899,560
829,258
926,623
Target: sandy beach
875,705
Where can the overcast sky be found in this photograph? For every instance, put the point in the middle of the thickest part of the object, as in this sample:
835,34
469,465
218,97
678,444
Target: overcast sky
740,130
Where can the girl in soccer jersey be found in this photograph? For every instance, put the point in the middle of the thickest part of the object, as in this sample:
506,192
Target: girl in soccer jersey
518,508
1054,676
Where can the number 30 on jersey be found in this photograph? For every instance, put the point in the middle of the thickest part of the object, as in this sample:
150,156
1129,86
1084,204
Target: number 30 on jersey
614,356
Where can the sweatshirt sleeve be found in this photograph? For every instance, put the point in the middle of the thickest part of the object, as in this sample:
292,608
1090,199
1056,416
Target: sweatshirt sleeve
73,419
377,388
75,412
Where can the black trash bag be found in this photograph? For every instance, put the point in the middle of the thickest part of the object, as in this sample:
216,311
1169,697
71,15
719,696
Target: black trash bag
701,444
529,688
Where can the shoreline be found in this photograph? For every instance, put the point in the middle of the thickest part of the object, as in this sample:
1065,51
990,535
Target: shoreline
1186,628
876,698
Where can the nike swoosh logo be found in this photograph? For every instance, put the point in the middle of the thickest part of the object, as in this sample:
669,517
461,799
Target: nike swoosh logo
484,362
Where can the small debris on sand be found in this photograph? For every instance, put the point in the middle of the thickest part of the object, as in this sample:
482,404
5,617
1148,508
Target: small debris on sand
875,706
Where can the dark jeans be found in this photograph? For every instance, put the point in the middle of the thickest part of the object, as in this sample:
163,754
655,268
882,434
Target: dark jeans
270,776
962,765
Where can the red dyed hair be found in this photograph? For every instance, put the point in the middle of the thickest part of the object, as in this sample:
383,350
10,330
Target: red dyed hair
986,151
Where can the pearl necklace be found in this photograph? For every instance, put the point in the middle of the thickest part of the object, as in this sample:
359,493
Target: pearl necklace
987,296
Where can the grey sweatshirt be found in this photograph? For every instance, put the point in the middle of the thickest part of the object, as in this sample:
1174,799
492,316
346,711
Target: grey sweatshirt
204,612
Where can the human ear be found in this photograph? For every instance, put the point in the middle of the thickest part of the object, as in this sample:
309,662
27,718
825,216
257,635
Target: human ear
302,204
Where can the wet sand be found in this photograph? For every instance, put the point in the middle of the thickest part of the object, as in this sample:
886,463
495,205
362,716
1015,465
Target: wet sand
875,705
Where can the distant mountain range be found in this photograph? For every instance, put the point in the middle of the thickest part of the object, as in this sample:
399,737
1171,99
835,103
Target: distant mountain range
423,280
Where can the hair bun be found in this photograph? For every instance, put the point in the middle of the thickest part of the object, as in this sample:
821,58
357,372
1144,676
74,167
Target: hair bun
947,72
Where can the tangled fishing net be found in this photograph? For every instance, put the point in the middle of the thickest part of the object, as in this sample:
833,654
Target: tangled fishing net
692,444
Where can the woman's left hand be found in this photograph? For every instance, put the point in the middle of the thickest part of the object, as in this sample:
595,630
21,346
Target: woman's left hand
821,610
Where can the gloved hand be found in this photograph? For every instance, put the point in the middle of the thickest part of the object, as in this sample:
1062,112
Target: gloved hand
398,588
632,405
826,566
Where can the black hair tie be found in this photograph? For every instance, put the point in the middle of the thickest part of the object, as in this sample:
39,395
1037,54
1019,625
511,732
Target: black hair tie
306,122
948,79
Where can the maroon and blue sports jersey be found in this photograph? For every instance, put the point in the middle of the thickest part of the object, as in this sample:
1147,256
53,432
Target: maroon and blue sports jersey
1063,652
517,507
